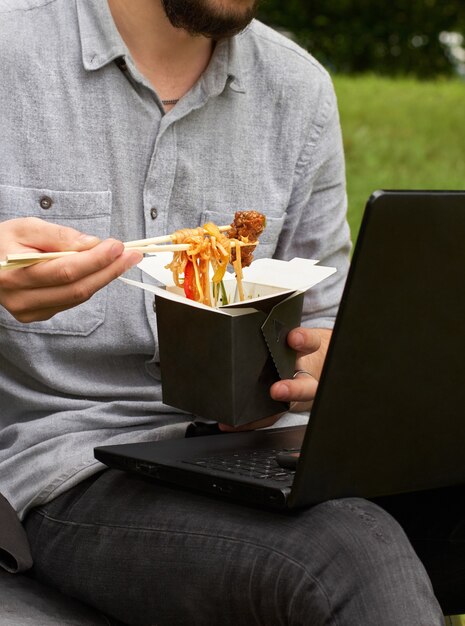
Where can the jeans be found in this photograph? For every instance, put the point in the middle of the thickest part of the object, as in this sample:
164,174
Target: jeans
154,555
435,524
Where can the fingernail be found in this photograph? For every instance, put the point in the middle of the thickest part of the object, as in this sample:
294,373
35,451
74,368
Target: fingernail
116,250
280,391
298,340
134,258
85,239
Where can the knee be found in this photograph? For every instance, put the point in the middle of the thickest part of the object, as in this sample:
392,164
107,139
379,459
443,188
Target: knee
359,530
365,565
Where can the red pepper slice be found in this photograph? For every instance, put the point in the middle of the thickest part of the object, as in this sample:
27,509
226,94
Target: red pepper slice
189,280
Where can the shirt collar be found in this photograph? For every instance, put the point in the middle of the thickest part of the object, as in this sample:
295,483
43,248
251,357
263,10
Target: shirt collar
101,44
100,40
225,67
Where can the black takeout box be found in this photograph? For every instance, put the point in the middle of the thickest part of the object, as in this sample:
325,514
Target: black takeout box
221,367
219,363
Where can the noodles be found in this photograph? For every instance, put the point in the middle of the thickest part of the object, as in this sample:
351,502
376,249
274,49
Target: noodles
209,247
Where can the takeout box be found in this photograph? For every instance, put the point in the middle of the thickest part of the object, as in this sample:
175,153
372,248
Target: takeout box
219,363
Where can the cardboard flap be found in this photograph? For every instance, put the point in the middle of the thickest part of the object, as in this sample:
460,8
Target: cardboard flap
263,278
297,274
283,317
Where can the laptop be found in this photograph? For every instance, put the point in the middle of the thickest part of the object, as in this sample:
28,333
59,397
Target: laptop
389,413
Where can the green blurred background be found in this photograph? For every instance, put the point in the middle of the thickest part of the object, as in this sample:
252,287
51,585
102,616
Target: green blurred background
399,73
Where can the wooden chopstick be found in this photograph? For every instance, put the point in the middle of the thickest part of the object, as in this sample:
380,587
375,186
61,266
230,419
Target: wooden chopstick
16,261
160,239
45,256
16,265
39,256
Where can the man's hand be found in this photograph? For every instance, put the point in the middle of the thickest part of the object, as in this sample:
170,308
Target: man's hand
38,292
311,346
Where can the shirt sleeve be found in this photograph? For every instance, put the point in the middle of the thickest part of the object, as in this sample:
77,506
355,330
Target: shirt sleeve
316,219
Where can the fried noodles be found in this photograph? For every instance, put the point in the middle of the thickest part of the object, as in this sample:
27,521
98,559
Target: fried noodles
208,246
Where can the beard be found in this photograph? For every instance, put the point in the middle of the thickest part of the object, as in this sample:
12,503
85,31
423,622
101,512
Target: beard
200,17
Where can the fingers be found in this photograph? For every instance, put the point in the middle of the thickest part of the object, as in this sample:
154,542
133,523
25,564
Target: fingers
304,340
67,270
299,389
34,233
38,292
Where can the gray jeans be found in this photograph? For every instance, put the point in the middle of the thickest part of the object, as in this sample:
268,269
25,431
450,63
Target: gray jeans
149,554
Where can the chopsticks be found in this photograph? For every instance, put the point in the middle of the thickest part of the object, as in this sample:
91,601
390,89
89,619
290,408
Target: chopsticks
161,239
16,261
146,246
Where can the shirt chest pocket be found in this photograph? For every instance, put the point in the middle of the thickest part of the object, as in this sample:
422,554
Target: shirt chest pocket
89,212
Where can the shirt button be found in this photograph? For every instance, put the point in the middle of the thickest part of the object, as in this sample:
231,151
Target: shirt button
153,213
45,202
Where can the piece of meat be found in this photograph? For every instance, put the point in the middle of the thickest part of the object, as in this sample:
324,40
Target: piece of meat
247,226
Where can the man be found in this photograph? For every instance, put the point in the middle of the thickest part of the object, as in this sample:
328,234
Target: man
132,119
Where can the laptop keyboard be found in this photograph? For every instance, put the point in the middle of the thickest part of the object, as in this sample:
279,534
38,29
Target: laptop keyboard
260,464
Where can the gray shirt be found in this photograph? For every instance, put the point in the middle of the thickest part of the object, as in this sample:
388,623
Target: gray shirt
82,127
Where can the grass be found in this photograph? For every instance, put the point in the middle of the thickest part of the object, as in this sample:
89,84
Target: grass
400,134
458,620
